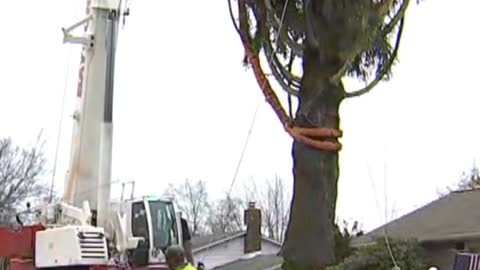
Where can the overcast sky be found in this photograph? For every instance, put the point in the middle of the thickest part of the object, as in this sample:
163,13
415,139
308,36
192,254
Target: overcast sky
184,103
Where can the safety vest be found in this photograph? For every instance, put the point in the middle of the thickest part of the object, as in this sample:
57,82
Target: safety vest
187,266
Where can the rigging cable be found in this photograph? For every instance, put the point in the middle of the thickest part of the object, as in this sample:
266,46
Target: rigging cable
385,233
60,123
258,105
252,124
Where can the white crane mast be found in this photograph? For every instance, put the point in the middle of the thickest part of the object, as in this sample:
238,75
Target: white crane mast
90,166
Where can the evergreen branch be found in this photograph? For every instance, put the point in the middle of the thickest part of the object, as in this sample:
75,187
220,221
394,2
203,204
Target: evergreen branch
385,69
293,21
286,39
366,21
289,82
232,17
260,13
398,16
289,77
280,73
243,28
296,48
289,98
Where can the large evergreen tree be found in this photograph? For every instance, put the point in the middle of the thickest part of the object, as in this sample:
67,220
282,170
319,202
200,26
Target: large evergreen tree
329,39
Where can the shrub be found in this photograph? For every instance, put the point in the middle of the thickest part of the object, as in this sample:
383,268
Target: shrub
407,254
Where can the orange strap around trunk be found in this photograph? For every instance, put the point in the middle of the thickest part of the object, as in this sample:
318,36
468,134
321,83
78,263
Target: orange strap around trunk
324,139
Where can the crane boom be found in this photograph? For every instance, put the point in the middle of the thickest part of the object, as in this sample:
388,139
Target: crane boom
90,166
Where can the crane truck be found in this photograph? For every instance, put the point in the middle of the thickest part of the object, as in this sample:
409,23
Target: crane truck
86,231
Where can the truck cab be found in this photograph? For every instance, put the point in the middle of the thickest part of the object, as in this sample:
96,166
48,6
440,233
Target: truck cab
156,222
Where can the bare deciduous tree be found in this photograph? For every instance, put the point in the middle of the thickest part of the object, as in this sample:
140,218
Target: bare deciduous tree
192,201
274,203
225,215
21,172
470,180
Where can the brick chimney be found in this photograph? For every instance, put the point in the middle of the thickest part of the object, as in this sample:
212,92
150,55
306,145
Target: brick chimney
253,220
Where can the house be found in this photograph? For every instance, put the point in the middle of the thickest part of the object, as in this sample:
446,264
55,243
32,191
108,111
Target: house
443,227
259,262
240,250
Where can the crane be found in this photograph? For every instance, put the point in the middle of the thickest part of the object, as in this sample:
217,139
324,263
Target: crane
86,229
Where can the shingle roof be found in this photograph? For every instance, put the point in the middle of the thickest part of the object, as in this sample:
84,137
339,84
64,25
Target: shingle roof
259,262
452,217
205,240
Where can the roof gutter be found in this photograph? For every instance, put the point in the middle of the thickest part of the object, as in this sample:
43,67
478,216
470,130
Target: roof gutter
427,240
452,237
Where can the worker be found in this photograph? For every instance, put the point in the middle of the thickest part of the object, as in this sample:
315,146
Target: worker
186,237
175,256
200,266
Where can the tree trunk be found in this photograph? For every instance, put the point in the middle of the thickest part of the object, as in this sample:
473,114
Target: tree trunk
309,240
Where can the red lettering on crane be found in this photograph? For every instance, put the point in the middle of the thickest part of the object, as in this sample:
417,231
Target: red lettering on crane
82,58
80,74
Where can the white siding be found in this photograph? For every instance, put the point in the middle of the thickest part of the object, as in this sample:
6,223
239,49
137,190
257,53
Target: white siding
229,251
